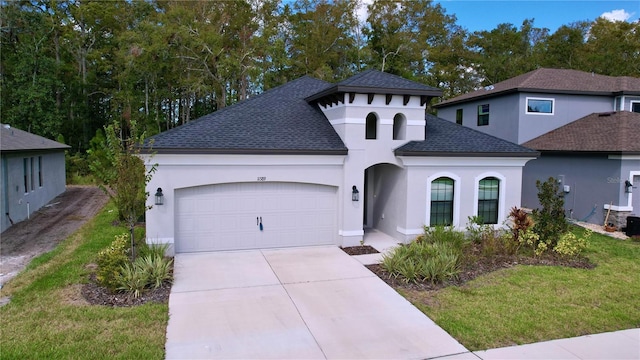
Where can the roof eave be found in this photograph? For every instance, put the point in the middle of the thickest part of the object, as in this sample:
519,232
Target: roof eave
533,90
533,154
147,151
372,90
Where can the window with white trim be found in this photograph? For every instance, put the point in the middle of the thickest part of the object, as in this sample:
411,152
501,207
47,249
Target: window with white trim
488,200
483,115
540,106
442,190
635,106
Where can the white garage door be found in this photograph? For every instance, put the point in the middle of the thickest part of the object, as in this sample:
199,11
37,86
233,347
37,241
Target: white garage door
228,216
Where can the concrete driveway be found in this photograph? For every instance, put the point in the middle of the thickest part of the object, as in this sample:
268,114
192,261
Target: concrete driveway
298,303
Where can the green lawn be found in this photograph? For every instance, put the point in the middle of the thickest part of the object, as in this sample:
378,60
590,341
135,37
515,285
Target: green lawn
47,317
528,304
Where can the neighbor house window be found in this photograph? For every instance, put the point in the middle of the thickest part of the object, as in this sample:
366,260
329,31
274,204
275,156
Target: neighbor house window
488,194
540,106
483,115
635,106
399,127
40,171
33,183
25,169
371,126
442,201
459,116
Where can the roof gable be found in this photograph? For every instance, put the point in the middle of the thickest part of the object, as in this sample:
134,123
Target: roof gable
445,138
276,121
18,140
555,81
598,132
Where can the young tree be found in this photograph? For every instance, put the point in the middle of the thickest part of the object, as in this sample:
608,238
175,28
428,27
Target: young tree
123,174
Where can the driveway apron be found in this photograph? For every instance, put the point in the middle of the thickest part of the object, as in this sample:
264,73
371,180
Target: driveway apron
296,303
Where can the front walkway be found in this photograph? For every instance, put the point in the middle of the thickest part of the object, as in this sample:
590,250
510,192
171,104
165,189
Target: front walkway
297,303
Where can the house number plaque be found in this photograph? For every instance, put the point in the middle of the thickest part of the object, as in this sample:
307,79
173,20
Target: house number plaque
262,178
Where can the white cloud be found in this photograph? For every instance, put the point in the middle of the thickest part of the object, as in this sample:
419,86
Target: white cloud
617,15
362,11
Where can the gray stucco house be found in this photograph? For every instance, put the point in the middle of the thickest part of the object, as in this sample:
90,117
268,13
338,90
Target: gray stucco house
32,173
312,162
527,106
584,124
596,160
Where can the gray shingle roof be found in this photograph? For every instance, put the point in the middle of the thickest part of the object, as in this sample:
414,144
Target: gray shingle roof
598,132
560,81
445,138
13,139
277,121
378,82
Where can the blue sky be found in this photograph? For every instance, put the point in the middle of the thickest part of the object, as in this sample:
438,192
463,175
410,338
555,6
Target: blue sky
477,15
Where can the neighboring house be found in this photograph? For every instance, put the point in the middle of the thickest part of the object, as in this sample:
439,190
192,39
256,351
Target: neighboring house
532,104
311,163
596,160
33,173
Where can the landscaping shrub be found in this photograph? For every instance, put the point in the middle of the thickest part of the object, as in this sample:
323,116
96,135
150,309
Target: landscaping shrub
149,271
157,269
491,241
550,221
132,279
571,245
111,260
433,256
116,272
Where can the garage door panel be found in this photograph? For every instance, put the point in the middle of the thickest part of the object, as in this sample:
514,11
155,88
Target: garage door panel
223,216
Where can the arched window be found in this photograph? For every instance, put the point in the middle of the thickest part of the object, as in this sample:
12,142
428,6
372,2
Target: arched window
442,201
371,126
399,127
488,196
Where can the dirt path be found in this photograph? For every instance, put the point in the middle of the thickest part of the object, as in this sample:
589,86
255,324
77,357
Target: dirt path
47,228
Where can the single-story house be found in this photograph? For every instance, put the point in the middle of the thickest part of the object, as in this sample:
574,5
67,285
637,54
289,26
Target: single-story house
31,175
596,160
312,162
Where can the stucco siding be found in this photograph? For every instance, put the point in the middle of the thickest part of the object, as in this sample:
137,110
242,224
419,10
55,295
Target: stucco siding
176,172
593,181
567,108
503,116
19,203
466,174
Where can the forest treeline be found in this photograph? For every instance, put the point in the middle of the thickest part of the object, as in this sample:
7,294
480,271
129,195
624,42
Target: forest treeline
70,67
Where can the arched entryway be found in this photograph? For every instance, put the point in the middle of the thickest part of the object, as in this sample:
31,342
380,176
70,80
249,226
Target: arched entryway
383,197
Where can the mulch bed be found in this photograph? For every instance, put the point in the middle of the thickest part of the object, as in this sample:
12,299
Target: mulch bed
359,250
99,295
483,265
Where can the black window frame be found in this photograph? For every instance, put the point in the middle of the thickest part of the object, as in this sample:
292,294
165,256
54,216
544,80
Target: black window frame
488,208
441,208
371,127
459,114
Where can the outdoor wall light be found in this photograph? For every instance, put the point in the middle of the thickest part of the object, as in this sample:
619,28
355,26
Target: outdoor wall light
628,186
355,194
159,197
